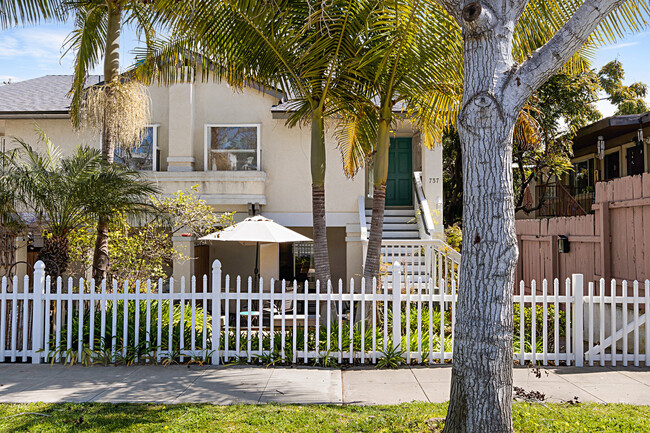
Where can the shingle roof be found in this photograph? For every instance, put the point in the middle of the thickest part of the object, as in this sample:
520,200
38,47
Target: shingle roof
48,94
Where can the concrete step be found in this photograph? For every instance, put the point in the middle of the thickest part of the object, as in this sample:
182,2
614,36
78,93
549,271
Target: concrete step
400,227
400,234
394,212
395,220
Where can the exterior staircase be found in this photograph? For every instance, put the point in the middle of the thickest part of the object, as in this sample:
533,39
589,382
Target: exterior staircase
399,223
408,238
401,242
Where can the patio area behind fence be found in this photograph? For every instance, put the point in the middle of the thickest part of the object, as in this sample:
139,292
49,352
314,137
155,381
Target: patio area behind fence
560,322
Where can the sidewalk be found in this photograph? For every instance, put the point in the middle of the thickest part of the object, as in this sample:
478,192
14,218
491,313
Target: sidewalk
24,383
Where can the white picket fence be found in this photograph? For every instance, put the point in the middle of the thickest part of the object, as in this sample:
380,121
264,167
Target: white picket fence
237,320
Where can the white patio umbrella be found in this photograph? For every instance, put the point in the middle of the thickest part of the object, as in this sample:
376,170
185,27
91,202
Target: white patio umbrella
256,230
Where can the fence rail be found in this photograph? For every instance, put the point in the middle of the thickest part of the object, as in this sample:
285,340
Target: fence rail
558,322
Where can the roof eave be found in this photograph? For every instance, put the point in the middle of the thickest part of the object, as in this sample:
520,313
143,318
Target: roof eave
34,115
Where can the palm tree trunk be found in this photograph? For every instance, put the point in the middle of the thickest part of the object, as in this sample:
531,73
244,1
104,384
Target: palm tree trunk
321,252
380,176
55,254
7,249
111,74
321,255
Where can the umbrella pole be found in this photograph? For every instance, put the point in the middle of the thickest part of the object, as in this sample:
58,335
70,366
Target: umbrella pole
257,261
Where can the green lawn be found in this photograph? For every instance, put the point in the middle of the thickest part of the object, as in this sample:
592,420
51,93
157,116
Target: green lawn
413,417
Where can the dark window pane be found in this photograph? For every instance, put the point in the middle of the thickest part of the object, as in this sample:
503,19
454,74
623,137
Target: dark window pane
612,166
139,157
584,176
634,160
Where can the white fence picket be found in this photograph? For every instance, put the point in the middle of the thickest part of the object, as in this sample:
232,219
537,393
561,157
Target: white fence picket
39,321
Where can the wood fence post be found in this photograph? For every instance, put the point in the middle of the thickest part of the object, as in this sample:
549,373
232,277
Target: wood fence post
397,310
216,311
578,319
605,241
38,321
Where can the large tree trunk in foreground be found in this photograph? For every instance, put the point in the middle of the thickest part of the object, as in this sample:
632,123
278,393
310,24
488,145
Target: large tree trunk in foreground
495,90
481,386
111,74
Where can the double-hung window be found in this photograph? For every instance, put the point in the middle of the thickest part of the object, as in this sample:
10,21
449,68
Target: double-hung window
145,155
232,147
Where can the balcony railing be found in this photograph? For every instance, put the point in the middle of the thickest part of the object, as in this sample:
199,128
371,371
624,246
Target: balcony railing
563,201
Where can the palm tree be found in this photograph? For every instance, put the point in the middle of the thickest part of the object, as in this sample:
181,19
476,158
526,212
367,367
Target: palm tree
63,191
98,24
400,66
11,223
21,12
420,67
295,45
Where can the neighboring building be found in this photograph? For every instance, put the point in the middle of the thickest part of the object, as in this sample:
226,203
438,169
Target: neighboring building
238,149
611,148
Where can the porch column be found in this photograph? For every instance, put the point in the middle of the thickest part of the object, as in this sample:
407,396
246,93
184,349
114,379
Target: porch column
354,252
181,127
432,184
183,268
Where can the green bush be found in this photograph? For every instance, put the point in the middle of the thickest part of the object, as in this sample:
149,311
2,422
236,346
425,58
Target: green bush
109,350
106,350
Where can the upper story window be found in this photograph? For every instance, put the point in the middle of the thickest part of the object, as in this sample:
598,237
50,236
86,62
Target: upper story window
144,156
232,147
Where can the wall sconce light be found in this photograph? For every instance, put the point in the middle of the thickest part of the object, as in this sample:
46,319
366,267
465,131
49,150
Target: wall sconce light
639,137
601,147
563,245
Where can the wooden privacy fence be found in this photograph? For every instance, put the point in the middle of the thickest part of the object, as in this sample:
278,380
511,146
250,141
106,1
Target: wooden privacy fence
242,320
614,242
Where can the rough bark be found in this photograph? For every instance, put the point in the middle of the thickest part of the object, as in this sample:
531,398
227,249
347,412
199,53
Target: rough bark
372,266
380,176
321,254
55,254
495,90
481,387
7,250
100,257
111,74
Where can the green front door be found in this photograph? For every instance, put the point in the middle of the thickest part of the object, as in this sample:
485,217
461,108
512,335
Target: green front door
399,185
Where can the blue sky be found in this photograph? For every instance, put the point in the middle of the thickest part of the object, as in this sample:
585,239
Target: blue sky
35,51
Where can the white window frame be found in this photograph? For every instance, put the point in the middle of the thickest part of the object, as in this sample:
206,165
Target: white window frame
206,140
154,151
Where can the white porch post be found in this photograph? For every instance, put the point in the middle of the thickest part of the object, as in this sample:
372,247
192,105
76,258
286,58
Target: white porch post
181,127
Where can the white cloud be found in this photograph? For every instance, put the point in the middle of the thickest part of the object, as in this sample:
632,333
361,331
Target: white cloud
35,43
618,46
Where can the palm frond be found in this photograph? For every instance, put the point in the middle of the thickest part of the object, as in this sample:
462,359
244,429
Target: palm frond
23,12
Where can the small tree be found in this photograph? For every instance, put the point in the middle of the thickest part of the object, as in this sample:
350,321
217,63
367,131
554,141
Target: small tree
143,248
11,223
64,191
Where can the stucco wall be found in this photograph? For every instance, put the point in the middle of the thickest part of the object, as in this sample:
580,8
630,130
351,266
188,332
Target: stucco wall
60,131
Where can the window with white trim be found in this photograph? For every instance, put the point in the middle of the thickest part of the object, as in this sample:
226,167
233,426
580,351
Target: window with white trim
144,156
232,147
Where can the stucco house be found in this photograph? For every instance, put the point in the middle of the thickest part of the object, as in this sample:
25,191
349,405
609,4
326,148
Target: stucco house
237,147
